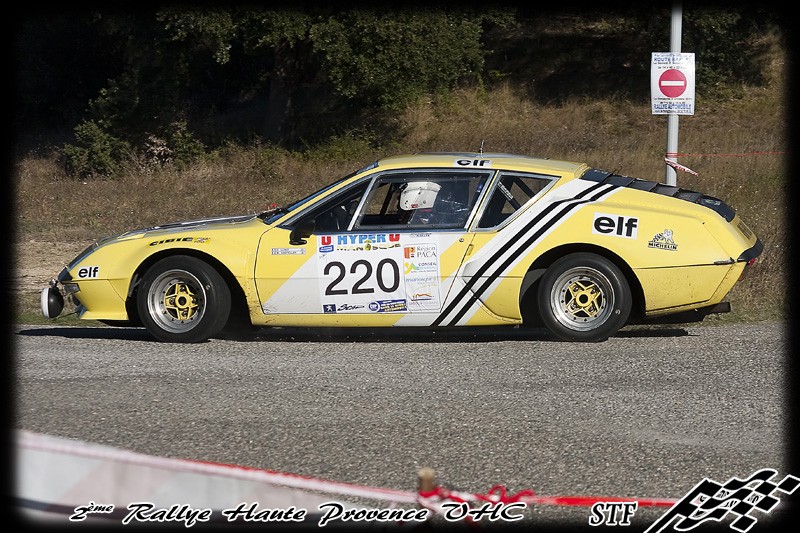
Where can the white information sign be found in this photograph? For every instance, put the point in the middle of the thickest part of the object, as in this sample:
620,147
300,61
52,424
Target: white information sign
672,83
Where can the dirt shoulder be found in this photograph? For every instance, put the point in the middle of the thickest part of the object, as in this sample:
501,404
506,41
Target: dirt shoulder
35,262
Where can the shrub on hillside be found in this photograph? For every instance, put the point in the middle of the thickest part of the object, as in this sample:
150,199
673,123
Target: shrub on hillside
95,152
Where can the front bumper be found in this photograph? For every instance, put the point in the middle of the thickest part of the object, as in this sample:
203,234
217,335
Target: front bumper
52,298
52,301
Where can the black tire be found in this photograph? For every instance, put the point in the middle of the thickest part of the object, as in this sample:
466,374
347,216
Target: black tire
584,297
183,299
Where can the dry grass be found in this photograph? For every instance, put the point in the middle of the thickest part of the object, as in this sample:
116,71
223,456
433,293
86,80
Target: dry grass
614,135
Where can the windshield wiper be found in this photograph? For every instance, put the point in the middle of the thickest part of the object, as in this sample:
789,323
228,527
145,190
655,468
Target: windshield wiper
273,210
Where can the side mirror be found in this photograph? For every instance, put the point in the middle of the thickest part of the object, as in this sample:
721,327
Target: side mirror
304,229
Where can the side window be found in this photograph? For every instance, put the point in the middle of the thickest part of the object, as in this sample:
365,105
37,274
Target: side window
334,215
424,199
510,194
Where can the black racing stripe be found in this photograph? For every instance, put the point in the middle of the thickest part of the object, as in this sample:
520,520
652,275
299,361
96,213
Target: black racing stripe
466,290
475,295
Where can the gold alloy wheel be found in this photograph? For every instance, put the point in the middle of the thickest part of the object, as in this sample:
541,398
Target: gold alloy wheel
582,299
176,300
180,302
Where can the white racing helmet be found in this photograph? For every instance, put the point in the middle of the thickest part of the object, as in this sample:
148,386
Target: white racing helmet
418,195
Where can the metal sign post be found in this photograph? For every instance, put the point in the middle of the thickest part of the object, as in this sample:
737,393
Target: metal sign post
672,88
675,30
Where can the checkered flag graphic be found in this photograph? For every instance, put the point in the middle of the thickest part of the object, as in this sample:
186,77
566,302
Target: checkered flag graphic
709,500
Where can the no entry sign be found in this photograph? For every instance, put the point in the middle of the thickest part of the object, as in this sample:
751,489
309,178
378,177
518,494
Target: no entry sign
672,83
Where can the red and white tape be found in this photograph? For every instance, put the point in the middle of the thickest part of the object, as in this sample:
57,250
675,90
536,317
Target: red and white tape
61,474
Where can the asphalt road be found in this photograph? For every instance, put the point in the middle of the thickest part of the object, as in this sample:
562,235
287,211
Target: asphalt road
647,414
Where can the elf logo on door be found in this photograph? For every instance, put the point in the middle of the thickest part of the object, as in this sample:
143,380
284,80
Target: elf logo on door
615,225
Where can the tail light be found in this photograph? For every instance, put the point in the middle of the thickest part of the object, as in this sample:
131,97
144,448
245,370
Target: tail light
747,266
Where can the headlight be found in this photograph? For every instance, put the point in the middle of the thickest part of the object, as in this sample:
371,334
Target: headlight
52,302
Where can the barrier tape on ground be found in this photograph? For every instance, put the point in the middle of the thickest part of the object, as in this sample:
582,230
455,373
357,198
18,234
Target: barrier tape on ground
57,475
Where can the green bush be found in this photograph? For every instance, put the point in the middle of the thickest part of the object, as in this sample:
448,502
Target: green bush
95,152
185,147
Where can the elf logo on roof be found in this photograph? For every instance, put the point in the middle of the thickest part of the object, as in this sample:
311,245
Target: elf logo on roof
615,225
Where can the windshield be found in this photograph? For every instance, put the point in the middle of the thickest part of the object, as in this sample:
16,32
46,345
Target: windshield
273,215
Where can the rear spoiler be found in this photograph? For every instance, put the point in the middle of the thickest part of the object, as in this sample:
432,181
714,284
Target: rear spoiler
715,204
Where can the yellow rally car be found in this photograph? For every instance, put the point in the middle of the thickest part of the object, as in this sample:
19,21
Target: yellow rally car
441,239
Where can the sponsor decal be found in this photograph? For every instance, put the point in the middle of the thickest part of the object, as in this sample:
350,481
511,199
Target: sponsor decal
615,225
388,306
663,241
359,242
378,273
421,273
288,251
473,163
198,240
328,308
348,307
88,272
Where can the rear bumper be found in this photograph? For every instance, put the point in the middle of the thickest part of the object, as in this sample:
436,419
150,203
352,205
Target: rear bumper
751,253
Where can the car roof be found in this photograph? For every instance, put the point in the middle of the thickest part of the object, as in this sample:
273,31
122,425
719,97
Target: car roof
498,160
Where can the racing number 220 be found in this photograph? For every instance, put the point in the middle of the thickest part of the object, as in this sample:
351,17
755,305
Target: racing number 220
363,268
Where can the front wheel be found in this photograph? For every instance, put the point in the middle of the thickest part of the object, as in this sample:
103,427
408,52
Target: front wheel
584,297
183,299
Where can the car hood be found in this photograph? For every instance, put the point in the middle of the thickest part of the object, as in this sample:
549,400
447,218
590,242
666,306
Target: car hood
163,229
205,223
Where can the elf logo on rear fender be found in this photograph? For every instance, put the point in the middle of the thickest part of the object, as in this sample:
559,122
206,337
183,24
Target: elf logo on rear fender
615,225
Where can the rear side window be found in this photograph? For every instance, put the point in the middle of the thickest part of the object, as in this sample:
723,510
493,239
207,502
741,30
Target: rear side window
512,191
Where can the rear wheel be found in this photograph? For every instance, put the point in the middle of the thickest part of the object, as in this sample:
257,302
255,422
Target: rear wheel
183,299
584,297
